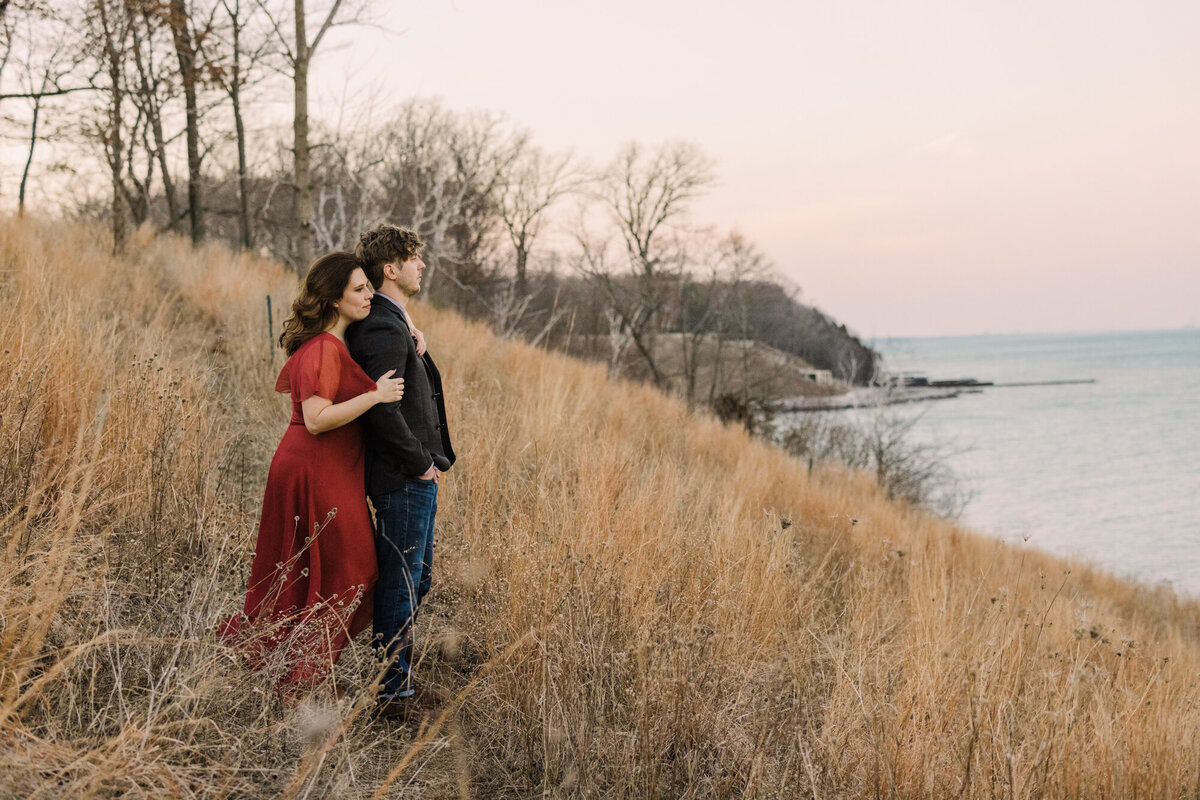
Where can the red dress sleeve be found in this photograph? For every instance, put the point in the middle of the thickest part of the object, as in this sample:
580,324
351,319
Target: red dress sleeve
314,369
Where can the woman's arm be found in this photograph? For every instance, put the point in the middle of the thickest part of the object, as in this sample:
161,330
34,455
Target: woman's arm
322,414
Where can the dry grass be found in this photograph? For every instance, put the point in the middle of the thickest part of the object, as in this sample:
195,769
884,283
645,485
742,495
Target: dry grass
631,600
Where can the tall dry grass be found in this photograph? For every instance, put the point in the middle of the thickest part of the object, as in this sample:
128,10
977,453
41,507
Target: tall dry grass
630,600
136,421
706,619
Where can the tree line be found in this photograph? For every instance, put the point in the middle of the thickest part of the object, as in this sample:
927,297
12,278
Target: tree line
150,99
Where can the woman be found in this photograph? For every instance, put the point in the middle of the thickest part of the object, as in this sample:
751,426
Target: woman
314,563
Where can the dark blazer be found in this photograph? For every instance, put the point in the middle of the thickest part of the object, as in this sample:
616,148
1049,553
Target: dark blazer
402,438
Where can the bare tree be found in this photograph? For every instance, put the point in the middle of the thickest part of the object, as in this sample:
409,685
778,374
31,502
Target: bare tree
536,182
625,308
746,267
883,442
154,88
298,51
109,25
8,29
704,306
482,149
235,62
416,172
646,196
344,181
439,171
179,20
442,173
149,86
44,58
698,306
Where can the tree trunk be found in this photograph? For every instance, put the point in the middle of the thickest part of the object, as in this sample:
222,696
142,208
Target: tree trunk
137,190
235,97
160,143
522,263
33,128
303,177
187,68
119,226
160,146
112,56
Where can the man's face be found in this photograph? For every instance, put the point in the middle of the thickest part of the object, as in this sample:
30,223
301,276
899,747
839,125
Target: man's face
408,275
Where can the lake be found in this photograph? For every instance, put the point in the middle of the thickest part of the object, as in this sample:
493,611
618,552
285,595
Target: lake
1107,471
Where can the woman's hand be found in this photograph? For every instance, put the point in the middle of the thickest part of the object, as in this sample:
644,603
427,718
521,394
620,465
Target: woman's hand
321,415
389,389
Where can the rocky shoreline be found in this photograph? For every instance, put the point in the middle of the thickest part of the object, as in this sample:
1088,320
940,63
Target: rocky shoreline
876,396
870,397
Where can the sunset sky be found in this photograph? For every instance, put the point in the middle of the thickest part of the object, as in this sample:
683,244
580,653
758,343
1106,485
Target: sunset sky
917,168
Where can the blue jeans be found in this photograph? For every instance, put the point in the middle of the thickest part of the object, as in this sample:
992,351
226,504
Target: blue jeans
404,547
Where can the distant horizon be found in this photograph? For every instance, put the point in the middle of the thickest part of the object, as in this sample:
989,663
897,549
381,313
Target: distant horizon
1187,327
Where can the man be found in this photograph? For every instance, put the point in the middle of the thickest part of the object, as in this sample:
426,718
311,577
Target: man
408,447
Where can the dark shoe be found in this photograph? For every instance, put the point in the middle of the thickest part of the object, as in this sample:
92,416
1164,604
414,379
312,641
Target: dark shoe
432,697
396,708
412,709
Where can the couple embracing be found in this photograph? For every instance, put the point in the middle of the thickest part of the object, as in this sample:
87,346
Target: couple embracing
368,419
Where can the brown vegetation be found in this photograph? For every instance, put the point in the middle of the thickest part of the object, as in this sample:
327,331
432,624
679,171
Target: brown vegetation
631,600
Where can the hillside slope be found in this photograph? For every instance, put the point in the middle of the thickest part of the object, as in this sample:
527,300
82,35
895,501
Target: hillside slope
630,599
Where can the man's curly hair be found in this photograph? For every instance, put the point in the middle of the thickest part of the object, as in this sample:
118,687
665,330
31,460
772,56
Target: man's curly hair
383,244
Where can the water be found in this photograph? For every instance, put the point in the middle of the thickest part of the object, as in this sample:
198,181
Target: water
1108,471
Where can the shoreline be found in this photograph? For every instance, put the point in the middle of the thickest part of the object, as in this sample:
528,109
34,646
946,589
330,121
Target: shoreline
869,397
872,396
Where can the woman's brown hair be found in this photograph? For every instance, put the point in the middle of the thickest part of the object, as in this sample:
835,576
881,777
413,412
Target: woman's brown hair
313,310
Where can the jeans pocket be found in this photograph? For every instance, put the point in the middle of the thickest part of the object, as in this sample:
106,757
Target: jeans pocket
382,502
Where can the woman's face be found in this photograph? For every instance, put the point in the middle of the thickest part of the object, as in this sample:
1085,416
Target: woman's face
355,303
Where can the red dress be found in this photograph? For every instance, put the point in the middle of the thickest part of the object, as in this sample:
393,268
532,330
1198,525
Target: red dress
314,563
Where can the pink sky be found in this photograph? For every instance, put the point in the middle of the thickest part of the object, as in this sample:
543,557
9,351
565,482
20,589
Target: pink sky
918,168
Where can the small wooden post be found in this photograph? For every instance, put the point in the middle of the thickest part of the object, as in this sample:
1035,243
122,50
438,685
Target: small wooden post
270,331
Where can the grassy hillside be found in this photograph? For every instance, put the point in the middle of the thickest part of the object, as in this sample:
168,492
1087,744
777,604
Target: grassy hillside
630,600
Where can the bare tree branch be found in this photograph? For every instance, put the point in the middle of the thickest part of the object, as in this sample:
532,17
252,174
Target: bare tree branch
41,95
